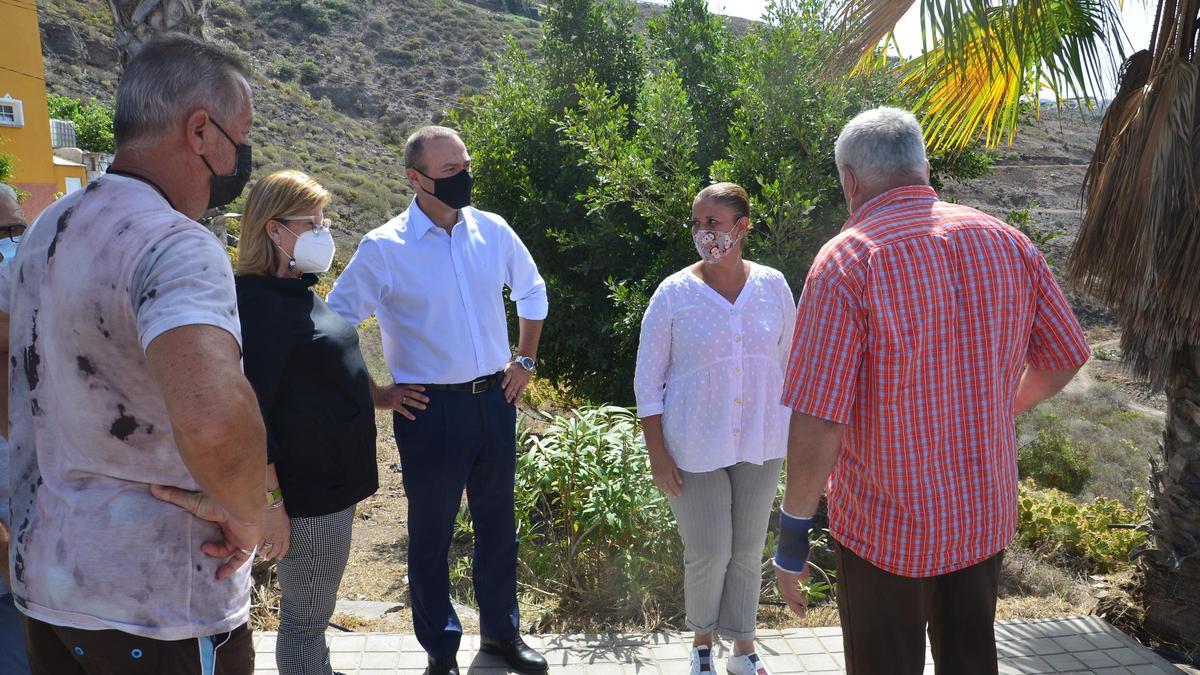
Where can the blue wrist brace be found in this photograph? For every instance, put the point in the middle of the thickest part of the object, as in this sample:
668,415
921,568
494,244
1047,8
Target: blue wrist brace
792,551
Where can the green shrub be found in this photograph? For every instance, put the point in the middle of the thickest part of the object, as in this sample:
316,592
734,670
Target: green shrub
1081,536
309,71
596,534
593,528
1053,460
285,70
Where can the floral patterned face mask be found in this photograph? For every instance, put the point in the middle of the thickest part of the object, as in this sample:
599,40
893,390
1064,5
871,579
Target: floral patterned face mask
713,245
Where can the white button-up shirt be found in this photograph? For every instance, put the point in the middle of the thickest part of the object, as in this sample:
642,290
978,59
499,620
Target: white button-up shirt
438,296
714,369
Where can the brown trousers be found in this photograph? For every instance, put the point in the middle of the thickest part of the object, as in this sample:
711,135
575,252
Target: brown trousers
55,650
885,617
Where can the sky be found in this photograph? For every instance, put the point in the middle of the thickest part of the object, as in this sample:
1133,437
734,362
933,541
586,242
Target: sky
1137,18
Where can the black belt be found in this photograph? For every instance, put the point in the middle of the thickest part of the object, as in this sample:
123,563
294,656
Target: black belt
477,386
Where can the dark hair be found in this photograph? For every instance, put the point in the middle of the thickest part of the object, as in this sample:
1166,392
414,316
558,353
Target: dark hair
729,194
172,75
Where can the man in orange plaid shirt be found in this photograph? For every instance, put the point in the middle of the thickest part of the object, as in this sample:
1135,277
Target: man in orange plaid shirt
923,330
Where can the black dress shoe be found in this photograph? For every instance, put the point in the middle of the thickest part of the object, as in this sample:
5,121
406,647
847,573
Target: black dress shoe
442,666
518,655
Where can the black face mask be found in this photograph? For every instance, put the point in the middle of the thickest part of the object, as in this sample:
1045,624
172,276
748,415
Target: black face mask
453,191
224,189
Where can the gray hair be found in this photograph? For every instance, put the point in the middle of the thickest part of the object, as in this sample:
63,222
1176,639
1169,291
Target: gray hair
882,145
10,191
171,76
414,147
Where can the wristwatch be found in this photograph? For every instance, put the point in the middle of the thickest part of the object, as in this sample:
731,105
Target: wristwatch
526,362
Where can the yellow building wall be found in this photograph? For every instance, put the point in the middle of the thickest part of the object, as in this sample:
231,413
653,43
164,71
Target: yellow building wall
22,75
61,173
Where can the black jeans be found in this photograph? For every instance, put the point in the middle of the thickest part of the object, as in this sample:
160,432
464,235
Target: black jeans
461,440
885,617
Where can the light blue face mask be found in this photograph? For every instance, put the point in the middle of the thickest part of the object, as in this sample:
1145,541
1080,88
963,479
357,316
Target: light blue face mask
8,248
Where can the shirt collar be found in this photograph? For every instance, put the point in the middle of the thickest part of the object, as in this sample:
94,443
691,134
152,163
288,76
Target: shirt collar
908,193
419,223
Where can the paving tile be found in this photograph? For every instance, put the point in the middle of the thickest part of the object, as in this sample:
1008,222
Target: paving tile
1064,663
604,669
347,643
344,660
806,645
672,652
1104,640
1025,664
1096,660
380,660
266,643
783,664
1111,671
1152,670
833,644
383,643
817,662
413,660
773,645
1127,657
1074,643
1032,647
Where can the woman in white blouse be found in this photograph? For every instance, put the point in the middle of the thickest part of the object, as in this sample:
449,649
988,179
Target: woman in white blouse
714,345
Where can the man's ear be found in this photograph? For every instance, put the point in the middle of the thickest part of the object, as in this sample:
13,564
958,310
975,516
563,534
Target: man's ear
196,126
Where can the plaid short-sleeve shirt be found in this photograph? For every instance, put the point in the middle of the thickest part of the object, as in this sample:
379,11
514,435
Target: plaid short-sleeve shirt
914,328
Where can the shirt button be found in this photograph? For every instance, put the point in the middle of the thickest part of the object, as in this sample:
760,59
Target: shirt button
737,371
737,338
737,401
736,432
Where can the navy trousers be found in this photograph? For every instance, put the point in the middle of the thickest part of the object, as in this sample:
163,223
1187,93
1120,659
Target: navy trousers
461,440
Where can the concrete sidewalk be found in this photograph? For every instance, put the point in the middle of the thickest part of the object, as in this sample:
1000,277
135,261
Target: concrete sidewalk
1068,645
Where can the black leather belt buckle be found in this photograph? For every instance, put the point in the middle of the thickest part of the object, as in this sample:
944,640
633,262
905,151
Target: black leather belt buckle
481,385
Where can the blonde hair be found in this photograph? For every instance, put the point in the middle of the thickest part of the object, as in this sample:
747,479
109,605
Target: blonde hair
281,194
727,194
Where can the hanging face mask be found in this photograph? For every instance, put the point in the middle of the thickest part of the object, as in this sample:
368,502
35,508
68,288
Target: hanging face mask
223,189
453,191
313,252
713,245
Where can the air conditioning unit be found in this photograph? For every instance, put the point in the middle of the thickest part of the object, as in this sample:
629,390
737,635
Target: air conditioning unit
62,134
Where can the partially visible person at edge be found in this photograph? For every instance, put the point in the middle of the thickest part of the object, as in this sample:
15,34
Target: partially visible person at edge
434,277
314,390
12,647
127,392
714,344
924,328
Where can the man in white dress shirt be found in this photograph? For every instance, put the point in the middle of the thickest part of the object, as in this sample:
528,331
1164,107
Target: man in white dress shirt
434,278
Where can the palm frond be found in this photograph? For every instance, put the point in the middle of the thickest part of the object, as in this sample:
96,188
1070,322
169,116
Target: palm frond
984,58
1139,246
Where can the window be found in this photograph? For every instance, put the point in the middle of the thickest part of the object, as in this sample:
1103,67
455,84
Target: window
12,112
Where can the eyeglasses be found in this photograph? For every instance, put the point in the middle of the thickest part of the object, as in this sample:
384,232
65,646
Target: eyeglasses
318,226
12,232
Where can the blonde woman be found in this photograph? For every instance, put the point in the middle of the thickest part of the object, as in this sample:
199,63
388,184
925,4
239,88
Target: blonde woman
714,344
304,363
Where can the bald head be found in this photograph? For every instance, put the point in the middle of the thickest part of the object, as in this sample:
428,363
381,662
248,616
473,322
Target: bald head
10,210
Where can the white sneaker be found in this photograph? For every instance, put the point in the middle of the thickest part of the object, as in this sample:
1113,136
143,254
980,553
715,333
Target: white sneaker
702,661
748,664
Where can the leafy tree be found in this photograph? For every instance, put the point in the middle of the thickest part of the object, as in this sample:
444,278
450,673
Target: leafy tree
93,121
702,50
594,153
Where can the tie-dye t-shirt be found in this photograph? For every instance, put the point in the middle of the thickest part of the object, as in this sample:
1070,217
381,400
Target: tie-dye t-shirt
100,274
